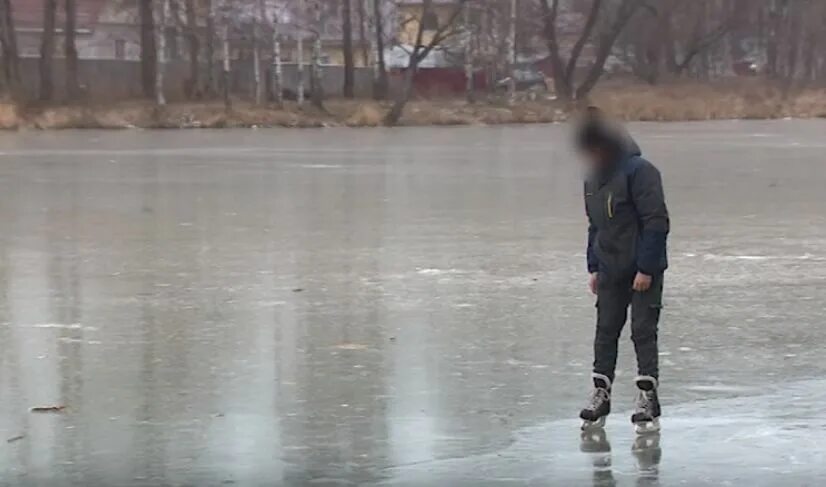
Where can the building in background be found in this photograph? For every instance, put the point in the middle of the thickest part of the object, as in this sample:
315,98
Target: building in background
105,29
410,15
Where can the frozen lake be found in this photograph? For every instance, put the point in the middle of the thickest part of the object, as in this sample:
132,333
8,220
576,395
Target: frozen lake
397,307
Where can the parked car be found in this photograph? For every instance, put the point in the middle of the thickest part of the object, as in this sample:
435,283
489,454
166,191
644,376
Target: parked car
527,77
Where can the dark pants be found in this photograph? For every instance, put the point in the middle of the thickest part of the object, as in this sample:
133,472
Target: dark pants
613,301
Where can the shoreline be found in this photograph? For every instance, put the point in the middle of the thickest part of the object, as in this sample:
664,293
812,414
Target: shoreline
751,100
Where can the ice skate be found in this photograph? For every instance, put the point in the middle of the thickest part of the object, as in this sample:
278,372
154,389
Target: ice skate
594,440
599,405
646,417
646,450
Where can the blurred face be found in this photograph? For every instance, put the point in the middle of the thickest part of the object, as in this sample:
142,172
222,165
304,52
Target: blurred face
593,158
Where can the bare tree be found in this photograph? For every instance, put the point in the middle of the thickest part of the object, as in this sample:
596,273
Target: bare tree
70,31
564,72
47,46
194,46
702,36
160,24
316,73
210,47
302,8
225,53
276,70
511,43
364,23
11,59
349,61
257,34
470,91
380,79
419,52
149,51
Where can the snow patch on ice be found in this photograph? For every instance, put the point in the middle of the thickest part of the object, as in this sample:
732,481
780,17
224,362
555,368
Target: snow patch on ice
436,272
723,258
61,326
321,166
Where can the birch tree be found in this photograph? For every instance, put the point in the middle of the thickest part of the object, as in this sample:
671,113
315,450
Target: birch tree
257,34
468,48
276,70
512,51
364,27
302,12
317,75
225,53
162,11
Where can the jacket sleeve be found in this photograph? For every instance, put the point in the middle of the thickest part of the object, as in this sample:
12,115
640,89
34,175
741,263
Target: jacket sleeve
591,256
649,201
593,262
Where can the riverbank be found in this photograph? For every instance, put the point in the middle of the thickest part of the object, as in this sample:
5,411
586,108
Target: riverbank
673,102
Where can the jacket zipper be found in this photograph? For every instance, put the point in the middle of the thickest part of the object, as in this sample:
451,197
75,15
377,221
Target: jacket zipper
610,205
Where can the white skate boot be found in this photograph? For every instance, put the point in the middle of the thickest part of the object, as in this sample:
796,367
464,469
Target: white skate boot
599,404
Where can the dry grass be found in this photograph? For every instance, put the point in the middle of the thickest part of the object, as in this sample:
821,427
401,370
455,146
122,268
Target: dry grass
9,116
745,99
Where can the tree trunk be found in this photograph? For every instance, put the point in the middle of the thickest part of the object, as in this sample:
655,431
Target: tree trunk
316,72
277,72
258,20
149,52
469,85
793,51
395,113
225,58
626,10
302,16
11,59
72,83
162,11
349,61
772,45
47,50
193,83
573,59
364,27
380,82
562,86
210,48
511,43
419,53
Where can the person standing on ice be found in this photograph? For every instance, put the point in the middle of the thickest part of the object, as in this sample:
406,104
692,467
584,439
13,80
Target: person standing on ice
628,226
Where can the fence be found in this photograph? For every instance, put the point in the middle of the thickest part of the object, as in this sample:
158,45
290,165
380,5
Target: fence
110,80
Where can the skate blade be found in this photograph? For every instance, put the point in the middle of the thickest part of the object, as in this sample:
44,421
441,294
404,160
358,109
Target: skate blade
593,425
644,443
647,427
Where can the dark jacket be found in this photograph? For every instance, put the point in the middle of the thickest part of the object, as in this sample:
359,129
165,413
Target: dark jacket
627,218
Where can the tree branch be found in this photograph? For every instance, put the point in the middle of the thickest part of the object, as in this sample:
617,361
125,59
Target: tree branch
593,15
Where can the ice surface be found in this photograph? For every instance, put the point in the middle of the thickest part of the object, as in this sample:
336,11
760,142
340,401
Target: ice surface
408,307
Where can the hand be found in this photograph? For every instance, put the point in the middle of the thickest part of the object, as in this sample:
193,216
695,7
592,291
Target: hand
593,282
642,282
